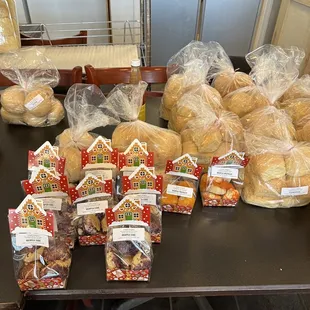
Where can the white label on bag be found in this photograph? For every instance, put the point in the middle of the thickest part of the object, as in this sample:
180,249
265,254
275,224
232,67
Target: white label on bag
294,191
32,104
182,191
128,234
101,174
224,172
52,203
91,207
144,199
25,239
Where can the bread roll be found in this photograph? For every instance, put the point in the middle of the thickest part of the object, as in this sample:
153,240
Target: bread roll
165,113
34,121
210,141
271,189
66,139
38,101
73,167
298,161
268,166
297,109
12,99
57,113
300,89
174,89
4,10
7,27
10,43
228,82
298,181
16,119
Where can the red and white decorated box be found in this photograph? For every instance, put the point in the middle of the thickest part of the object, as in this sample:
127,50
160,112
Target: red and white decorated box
91,197
47,156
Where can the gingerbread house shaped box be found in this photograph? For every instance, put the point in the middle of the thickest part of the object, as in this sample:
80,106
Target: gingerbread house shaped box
232,158
100,152
135,155
184,165
44,181
142,179
47,156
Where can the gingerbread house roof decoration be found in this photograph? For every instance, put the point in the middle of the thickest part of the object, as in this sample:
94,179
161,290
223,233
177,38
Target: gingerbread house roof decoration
90,186
100,153
46,155
30,214
135,155
128,210
185,165
232,158
142,179
44,181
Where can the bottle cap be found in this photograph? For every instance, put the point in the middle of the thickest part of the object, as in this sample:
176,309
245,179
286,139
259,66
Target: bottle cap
136,63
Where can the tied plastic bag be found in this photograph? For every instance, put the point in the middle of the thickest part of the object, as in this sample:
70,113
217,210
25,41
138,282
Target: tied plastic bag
186,70
225,78
9,29
212,135
31,102
82,105
278,174
274,69
127,100
300,89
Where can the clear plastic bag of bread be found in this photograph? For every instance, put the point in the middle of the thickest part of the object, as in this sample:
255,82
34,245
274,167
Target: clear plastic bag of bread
274,69
299,89
212,135
278,174
82,105
224,78
186,70
9,28
303,129
31,101
127,101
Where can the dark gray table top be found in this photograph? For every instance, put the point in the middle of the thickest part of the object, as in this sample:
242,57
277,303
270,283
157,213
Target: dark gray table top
212,252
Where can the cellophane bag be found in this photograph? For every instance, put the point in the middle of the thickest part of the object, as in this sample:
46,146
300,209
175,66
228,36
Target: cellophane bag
31,101
274,69
53,190
211,136
186,70
299,89
41,259
84,114
9,28
180,185
222,74
91,197
127,100
128,251
278,173
222,185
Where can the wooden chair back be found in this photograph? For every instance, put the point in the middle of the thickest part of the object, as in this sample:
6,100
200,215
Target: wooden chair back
108,76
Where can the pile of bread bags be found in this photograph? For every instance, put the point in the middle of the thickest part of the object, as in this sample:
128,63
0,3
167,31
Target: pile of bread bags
265,114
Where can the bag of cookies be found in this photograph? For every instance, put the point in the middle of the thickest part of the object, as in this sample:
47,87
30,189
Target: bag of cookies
186,70
224,78
84,114
274,69
145,186
31,101
211,135
181,185
91,197
41,260
222,185
127,100
52,189
128,250
299,89
278,173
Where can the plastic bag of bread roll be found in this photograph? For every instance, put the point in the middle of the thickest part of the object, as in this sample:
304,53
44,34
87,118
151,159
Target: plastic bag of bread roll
127,100
9,29
225,78
82,106
299,89
273,69
33,97
269,122
212,135
278,173
185,70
